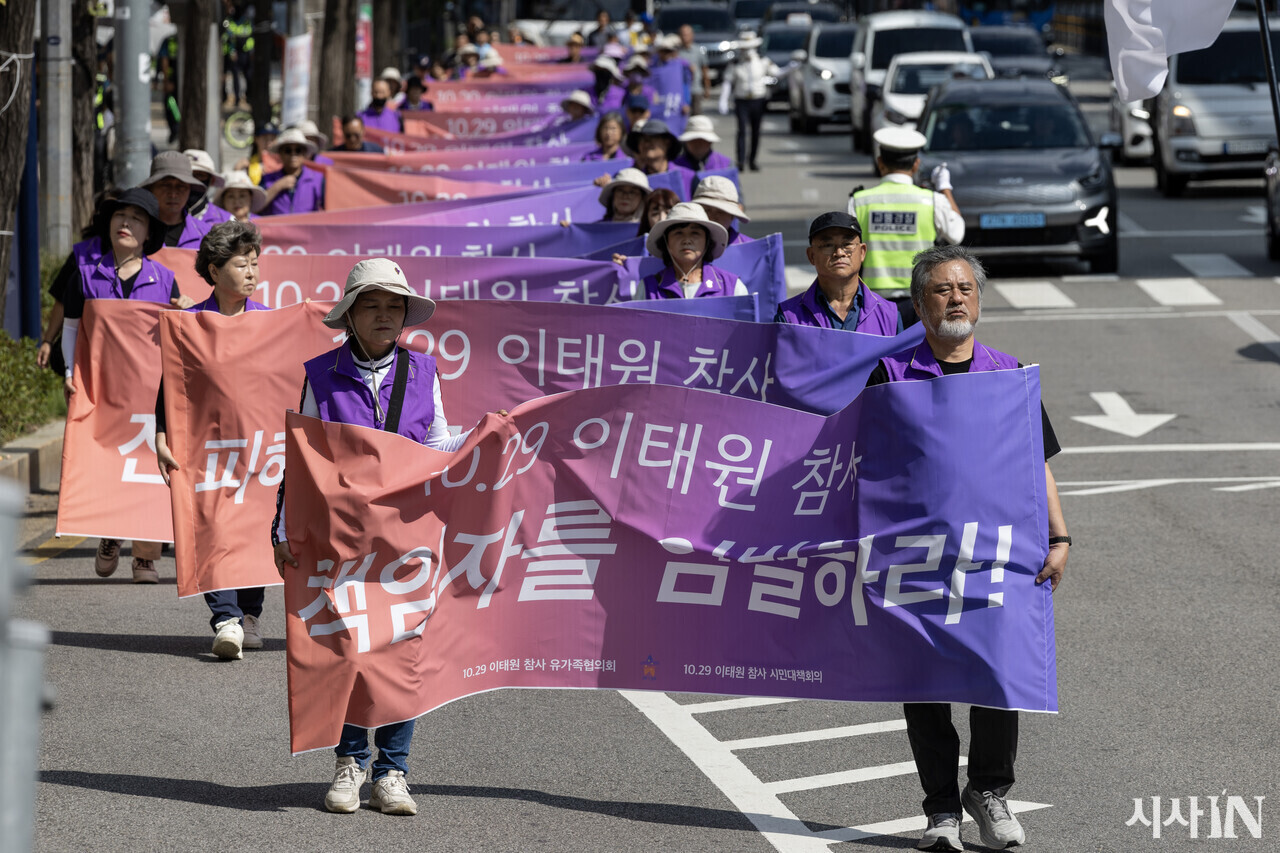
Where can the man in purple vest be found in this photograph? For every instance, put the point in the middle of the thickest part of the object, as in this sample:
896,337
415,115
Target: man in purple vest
946,291
838,299
172,181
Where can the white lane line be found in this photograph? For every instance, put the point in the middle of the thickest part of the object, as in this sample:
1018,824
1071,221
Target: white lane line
814,735
1084,488
802,158
1212,266
809,194
1235,447
734,704
1034,294
1256,329
1101,276
1197,235
1128,225
777,823
798,278
910,824
845,777
1177,291
1117,314
1251,487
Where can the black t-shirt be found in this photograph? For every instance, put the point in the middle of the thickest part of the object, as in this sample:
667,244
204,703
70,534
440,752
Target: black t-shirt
880,376
173,233
58,288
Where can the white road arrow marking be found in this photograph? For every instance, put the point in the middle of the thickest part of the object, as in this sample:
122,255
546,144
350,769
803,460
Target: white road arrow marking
1119,416
1255,214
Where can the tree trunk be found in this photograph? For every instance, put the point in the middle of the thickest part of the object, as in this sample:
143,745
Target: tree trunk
84,52
264,48
194,57
17,34
387,38
338,64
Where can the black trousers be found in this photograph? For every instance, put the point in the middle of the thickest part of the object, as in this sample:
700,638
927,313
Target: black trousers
993,747
749,112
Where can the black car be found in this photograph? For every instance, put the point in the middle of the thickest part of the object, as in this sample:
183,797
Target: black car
780,41
1029,177
714,31
1014,51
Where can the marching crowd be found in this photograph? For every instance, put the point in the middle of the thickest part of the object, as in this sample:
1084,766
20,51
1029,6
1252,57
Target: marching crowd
891,259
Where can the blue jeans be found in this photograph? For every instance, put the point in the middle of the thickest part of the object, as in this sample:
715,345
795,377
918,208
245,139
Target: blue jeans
392,742
234,603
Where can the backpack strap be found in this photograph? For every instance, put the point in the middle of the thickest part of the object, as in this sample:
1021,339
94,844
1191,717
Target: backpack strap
397,391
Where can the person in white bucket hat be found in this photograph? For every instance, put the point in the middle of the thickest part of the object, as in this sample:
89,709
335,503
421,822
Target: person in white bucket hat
202,205
719,198
293,188
240,196
312,132
623,197
578,105
698,137
372,382
687,241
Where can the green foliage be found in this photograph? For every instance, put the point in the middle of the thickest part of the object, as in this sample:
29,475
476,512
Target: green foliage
31,395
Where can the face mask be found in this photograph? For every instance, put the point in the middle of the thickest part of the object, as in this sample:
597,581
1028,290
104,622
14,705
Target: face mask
377,103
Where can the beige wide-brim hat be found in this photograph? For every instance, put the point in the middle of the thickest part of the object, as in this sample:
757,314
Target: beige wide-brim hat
312,132
202,162
582,99
607,63
493,60
391,74
637,61
681,214
699,127
719,192
293,136
628,177
379,274
240,180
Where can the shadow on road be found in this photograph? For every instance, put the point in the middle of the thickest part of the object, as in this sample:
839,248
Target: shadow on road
255,798
188,647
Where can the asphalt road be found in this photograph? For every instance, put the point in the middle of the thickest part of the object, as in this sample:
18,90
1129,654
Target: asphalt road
1166,621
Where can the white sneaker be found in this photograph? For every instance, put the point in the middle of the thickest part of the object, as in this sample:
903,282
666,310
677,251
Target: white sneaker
228,640
344,792
942,833
391,795
252,632
997,827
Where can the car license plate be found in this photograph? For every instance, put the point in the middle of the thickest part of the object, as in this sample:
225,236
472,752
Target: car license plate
1245,146
1012,220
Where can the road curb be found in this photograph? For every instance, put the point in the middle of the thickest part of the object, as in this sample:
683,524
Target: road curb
34,461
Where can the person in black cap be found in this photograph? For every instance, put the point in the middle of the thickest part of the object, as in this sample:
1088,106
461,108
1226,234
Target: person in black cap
838,299
414,91
654,146
637,110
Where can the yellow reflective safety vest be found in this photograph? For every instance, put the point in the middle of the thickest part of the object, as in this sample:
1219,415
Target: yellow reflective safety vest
897,222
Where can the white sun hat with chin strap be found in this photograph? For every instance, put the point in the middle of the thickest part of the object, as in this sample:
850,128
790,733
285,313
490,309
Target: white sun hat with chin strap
719,192
683,214
380,274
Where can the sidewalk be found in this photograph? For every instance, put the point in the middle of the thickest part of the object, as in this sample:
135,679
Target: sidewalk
34,461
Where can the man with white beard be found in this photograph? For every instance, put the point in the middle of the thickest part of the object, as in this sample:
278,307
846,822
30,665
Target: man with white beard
946,292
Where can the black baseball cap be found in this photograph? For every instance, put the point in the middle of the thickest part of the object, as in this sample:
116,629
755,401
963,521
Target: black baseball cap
834,219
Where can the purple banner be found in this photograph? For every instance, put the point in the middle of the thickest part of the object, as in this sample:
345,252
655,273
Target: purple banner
556,241
476,158
723,307
667,81
546,176
575,204
528,104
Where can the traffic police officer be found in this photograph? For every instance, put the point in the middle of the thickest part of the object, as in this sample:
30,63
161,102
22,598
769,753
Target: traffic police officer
899,218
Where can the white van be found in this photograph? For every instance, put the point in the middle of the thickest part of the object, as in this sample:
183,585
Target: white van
880,38
1213,118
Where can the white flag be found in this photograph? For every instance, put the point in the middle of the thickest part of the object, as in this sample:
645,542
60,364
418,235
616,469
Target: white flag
1143,34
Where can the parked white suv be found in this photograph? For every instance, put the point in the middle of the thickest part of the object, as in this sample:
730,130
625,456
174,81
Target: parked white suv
819,84
1213,118
880,38
912,76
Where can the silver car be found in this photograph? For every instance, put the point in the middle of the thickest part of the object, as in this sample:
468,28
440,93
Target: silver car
1028,177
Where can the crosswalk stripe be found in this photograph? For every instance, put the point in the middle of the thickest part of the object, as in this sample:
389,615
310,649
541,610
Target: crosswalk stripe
733,704
798,279
1178,291
1212,266
814,735
1034,294
1257,330
845,777
909,824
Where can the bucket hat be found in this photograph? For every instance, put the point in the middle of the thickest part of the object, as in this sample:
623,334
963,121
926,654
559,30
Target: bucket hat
699,127
145,201
312,132
171,164
637,61
654,127
719,192
391,74
202,162
379,274
607,63
293,136
628,177
582,99
681,214
239,180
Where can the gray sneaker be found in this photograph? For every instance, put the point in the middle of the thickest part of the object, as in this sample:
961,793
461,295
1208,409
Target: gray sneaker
252,631
942,833
997,827
344,792
391,795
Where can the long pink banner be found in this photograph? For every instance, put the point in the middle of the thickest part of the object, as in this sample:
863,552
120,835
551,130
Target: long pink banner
465,125
479,158
346,188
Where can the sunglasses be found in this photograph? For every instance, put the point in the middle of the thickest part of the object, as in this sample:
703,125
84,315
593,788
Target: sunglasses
292,149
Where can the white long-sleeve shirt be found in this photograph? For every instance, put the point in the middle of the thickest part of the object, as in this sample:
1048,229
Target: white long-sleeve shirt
749,76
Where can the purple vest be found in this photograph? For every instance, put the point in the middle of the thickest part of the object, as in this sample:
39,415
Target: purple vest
193,231
919,363
385,119
211,304
213,215
598,154
715,161
98,280
307,195
322,160
715,282
876,315
343,397
736,236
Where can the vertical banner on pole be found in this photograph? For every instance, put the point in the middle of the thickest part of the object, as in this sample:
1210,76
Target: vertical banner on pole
364,53
297,79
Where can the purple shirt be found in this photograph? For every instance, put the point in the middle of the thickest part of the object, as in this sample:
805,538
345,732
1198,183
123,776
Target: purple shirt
920,363
193,231
211,304
307,195
715,282
876,315
715,160
598,154
322,160
212,215
343,397
98,280
385,119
